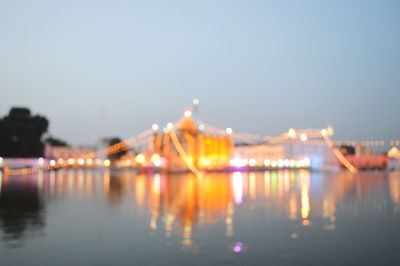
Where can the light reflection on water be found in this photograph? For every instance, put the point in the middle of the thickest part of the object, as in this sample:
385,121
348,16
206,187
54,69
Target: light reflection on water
282,217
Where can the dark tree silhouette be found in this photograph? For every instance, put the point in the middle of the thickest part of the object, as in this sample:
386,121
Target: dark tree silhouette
21,134
55,142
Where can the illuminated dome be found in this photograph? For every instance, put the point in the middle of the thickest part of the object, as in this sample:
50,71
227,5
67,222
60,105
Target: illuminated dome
187,125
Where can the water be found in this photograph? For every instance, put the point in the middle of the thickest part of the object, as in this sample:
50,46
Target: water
86,217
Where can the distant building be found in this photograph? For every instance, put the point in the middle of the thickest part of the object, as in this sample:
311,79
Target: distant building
204,151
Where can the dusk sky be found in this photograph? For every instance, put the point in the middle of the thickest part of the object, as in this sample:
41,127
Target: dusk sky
113,68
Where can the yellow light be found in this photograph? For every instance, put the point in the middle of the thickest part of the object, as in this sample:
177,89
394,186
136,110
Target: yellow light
274,163
188,113
330,131
154,127
89,161
107,163
81,161
140,159
71,161
280,163
228,130
292,163
324,132
156,160
292,133
303,137
1,160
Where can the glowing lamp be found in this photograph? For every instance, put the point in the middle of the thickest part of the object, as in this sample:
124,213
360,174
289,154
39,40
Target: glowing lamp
292,133
140,159
303,137
154,127
252,162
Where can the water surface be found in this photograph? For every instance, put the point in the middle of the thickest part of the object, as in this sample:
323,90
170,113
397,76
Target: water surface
96,217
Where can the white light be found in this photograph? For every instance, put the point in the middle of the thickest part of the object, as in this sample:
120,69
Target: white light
107,163
81,161
60,161
154,127
1,160
252,162
280,163
286,162
71,161
156,160
303,137
267,162
52,163
40,161
274,163
170,126
201,127
229,131
196,101
324,132
307,162
188,113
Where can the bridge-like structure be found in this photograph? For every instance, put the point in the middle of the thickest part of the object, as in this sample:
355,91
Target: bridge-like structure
141,140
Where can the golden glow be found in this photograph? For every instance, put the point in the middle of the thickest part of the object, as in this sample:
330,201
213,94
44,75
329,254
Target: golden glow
140,159
71,161
292,133
394,153
107,163
156,160
305,200
188,113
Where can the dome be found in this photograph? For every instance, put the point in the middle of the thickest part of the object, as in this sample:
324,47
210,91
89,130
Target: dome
187,125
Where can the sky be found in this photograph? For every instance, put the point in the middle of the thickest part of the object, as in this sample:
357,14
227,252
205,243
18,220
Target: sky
113,68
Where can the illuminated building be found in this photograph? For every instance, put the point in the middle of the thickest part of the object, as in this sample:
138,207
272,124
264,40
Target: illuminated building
294,149
201,150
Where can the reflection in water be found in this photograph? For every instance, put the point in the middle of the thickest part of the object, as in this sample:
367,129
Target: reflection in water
21,209
176,205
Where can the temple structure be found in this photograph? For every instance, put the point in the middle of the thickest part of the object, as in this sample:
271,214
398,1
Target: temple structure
192,146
